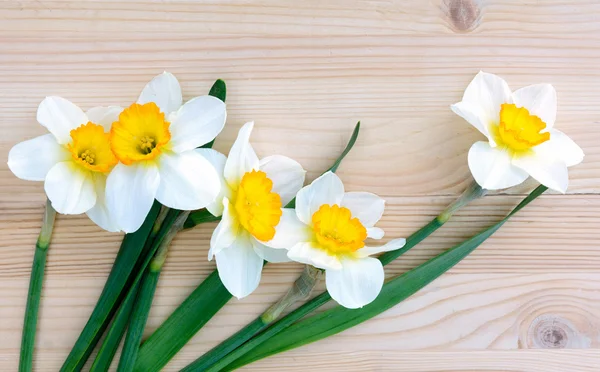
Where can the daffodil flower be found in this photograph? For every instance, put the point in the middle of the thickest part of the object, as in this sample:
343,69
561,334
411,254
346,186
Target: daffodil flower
73,159
522,141
251,202
154,140
328,230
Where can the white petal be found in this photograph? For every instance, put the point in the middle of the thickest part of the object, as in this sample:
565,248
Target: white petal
104,115
547,170
491,167
197,123
540,100
226,231
60,116
565,148
70,188
392,245
164,90
217,160
270,254
308,254
365,206
474,115
375,233
486,92
99,212
187,181
287,176
358,282
130,192
327,189
32,159
290,231
242,157
239,267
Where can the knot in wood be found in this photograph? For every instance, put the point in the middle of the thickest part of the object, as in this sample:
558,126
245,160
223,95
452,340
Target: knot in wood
463,15
551,332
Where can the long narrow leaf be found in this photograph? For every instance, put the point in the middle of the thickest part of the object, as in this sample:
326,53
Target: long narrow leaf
126,259
182,324
113,336
206,300
138,318
339,318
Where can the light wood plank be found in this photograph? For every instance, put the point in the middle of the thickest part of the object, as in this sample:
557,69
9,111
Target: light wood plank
460,312
306,72
554,234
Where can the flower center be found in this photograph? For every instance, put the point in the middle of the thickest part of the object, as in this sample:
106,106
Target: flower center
257,207
140,134
336,231
90,148
518,129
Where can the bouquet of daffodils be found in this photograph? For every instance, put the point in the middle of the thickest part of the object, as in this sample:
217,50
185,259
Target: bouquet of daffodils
148,170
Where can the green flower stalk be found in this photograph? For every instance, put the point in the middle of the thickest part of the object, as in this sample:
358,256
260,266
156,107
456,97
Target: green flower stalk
143,302
226,352
35,289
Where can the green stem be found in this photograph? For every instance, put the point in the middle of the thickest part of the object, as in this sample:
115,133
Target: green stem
141,309
114,335
35,289
299,291
117,283
222,360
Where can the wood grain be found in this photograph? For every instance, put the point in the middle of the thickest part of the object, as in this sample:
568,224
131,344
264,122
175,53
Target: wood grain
306,72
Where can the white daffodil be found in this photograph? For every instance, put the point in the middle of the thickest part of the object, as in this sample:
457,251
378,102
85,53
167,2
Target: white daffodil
253,194
521,139
73,159
154,140
328,230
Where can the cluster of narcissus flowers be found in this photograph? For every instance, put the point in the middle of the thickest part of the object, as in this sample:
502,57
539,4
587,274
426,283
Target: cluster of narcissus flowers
327,229
111,163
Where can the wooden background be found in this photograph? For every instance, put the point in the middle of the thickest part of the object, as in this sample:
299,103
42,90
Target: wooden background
306,72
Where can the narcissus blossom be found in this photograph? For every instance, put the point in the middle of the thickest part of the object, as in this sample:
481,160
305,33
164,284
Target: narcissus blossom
73,159
154,139
522,141
253,194
328,230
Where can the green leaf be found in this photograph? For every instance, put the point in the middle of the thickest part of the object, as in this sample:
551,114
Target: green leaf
208,298
182,324
198,217
349,147
138,318
114,335
126,259
338,319
219,90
